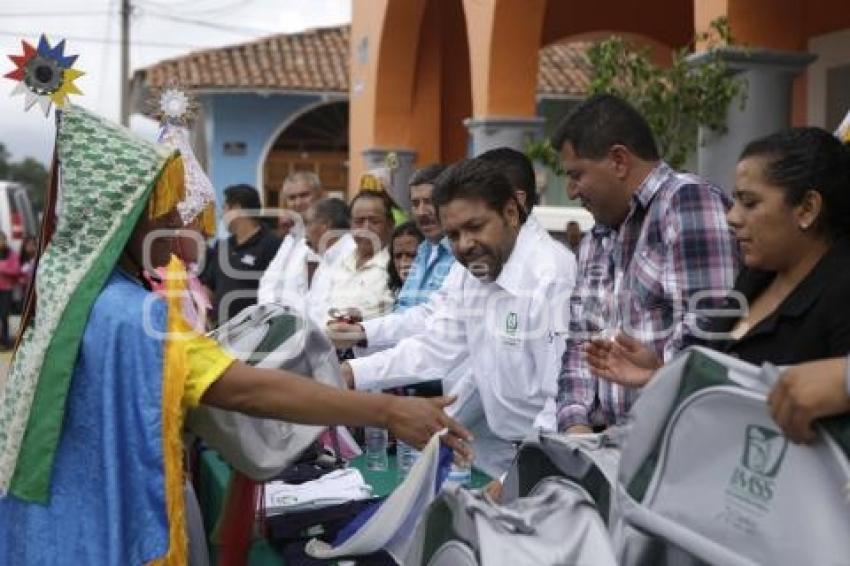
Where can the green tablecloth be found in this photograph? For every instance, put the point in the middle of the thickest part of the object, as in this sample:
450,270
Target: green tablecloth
215,474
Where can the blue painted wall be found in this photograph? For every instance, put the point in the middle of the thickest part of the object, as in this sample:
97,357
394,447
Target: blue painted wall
248,118
252,119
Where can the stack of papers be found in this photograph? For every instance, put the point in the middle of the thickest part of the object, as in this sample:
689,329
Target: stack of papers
335,488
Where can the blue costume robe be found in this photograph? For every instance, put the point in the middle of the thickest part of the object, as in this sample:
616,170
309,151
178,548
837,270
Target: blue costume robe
107,498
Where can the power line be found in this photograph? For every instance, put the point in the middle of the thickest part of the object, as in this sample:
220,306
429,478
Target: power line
53,14
193,7
213,25
142,43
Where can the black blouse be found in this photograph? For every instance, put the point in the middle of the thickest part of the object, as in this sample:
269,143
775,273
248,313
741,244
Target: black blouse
812,323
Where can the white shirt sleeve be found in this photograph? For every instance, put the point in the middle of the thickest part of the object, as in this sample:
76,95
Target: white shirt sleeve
273,279
387,331
431,354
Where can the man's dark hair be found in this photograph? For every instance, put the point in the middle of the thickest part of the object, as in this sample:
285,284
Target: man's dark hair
427,175
517,168
603,121
379,195
245,196
475,179
334,212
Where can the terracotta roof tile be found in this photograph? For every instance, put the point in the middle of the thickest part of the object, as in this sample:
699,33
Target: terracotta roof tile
317,60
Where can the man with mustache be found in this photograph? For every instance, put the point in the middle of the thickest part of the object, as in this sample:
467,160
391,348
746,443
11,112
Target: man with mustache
502,317
660,240
434,256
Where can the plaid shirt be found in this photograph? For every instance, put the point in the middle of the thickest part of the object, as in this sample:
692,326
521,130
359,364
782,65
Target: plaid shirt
673,252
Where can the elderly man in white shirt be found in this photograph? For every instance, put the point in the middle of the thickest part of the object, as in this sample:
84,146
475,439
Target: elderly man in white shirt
299,192
359,281
504,312
285,279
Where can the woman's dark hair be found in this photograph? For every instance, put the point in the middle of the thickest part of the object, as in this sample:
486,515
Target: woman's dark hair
799,160
405,229
475,179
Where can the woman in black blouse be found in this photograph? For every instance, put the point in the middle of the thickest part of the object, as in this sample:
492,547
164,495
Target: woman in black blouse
791,217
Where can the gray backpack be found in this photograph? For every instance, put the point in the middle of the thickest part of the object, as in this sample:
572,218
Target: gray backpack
267,336
555,524
590,460
706,476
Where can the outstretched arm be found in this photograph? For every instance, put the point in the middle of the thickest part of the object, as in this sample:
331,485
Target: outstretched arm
287,396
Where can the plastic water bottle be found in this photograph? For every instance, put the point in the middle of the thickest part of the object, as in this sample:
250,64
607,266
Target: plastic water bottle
376,448
461,474
407,456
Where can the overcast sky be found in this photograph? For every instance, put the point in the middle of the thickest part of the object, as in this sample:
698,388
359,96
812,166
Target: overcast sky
160,30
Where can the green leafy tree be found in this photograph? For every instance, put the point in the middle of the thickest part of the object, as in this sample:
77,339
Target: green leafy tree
544,152
4,162
675,100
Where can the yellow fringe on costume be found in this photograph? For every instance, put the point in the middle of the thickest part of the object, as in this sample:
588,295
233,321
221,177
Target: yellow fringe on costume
174,372
207,220
170,188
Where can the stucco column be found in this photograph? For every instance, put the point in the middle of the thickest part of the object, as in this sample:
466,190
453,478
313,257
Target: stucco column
377,156
768,77
490,133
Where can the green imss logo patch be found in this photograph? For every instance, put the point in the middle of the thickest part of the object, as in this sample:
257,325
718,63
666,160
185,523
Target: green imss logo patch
754,479
511,324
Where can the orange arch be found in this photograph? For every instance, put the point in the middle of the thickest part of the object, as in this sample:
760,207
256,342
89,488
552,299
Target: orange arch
396,60
668,22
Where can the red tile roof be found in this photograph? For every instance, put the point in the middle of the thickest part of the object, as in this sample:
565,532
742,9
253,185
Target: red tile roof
318,60
564,69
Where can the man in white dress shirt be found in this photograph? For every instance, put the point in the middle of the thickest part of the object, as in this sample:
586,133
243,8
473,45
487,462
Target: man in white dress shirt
386,331
285,280
504,315
298,275
359,281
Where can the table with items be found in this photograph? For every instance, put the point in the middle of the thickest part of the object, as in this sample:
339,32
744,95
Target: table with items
214,476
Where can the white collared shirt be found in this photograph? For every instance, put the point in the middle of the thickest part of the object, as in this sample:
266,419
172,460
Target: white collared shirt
318,296
387,331
286,279
286,276
510,330
365,288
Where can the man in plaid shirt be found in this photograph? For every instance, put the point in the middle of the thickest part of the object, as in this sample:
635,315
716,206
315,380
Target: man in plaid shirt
660,252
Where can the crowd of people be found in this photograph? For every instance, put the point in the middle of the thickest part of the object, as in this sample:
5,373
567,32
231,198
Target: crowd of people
520,332
530,334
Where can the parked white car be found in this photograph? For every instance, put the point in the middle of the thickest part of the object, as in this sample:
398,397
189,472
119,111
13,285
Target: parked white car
17,218
555,218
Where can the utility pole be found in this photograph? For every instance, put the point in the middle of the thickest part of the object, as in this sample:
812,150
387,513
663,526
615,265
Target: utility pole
125,62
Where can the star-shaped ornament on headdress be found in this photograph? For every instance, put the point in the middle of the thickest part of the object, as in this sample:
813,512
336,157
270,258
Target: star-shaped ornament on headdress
45,75
171,104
